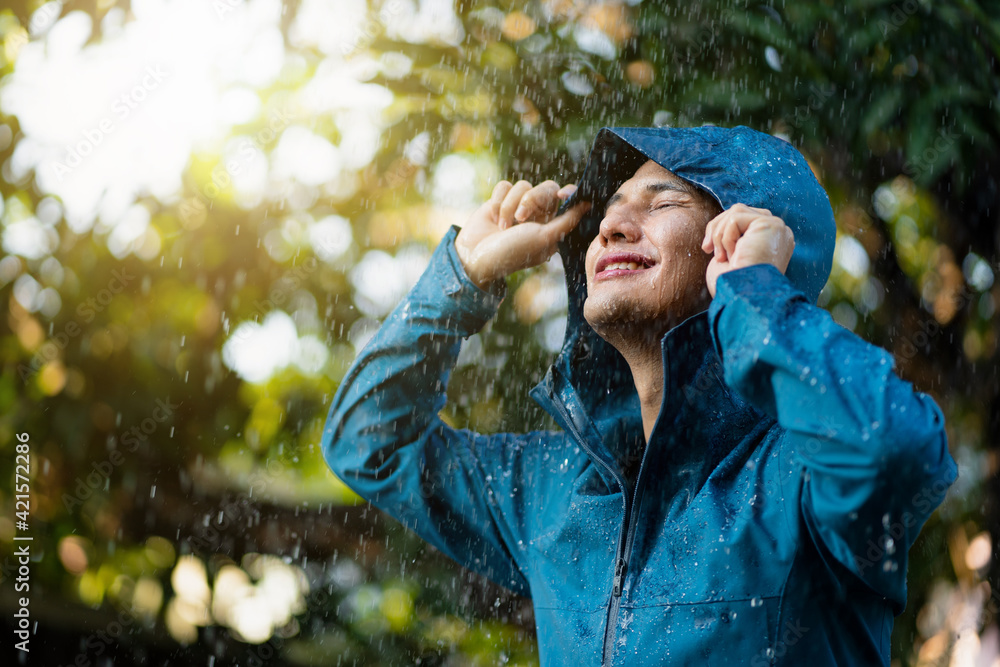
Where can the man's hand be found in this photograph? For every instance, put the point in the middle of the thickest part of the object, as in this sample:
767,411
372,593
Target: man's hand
743,236
515,229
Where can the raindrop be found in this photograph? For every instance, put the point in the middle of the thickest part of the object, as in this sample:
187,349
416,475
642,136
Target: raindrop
756,602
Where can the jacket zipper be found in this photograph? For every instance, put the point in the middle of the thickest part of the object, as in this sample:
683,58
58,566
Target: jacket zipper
625,535
621,565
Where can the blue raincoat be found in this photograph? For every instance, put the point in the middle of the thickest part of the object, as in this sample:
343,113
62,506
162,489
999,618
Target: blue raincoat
769,517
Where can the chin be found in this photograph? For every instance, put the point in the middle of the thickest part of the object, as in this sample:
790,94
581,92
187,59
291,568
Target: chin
607,316
620,318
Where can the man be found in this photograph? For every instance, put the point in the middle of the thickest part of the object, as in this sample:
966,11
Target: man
738,478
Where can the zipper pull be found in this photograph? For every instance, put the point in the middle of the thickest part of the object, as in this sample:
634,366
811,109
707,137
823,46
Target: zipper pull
620,567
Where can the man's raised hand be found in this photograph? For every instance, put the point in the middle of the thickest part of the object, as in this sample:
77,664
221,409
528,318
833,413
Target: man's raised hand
743,236
516,229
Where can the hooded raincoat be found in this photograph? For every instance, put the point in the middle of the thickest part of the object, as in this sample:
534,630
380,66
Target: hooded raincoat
767,520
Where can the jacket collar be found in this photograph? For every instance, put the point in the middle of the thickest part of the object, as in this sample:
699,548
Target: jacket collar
601,411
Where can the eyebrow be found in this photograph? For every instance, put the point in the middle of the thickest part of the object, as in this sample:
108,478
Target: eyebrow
652,188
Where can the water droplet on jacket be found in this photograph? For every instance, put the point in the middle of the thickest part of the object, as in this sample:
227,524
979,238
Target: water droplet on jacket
756,602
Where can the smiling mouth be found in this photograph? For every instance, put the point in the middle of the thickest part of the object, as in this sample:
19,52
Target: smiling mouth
622,265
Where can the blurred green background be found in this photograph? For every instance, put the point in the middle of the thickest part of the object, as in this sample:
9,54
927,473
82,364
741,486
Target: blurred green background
209,205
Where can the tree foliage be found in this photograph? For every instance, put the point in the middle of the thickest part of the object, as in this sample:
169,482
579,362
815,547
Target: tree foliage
151,455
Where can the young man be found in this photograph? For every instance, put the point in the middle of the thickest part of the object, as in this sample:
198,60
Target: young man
738,478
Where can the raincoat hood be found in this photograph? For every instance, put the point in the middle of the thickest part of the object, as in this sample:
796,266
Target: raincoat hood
734,165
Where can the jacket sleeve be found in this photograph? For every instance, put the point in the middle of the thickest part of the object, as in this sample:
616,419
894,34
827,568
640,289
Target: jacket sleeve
384,439
871,452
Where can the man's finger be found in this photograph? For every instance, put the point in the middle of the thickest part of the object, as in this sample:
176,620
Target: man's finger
565,223
565,191
706,243
539,203
717,244
733,232
500,191
510,203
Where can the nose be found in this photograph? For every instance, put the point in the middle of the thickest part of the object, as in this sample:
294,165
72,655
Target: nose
619,226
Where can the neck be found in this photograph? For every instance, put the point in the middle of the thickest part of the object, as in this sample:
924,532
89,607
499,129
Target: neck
645,360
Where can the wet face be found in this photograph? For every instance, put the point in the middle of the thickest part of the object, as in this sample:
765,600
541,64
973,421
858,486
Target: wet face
646,268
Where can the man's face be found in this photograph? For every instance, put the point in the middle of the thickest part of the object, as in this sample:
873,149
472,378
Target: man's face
646,267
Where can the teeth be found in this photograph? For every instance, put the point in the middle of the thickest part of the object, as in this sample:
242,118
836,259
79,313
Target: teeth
616,266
